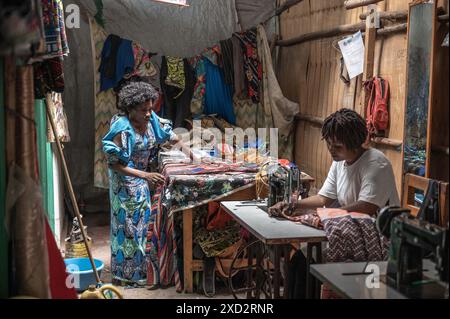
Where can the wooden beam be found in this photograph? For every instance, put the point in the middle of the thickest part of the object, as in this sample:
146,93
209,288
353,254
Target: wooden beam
393,29
388,15
286,6
314,120
443,18
340,30
310,119
352,4
387,142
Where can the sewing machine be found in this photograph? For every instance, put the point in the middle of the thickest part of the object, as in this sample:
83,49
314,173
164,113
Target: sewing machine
284,184
412,240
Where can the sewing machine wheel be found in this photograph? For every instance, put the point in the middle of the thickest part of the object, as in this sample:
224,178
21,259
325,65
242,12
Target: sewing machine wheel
249,276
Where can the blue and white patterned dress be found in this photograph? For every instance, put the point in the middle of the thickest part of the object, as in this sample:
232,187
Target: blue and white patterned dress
130,197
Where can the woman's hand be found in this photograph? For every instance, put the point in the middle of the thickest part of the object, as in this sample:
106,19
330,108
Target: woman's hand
154,178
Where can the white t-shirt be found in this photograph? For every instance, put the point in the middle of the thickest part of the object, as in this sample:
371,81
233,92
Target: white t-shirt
370,179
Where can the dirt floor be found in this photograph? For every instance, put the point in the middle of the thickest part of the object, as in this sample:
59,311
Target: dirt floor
98,230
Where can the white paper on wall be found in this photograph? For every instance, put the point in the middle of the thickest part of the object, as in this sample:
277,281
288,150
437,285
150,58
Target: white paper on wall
352,49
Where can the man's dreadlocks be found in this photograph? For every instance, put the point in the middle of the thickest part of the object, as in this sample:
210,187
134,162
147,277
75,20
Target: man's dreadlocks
347,127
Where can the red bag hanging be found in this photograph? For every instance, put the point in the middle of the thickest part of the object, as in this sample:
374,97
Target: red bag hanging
377,108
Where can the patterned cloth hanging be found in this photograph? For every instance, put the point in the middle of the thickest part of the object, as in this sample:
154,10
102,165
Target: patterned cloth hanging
55,104
55,31
252,64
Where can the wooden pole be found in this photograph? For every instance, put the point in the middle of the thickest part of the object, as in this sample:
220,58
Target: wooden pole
71,192
388,15
339,30
377,140
352,4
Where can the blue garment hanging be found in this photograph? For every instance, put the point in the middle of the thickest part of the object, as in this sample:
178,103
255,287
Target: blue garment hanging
122,52
219,95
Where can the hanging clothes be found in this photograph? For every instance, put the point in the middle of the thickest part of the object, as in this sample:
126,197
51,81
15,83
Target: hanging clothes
219,95
226,61
279,111
55,104
55,30
198,99
143,66
177,106
252,65
117,61
238,66
176,74
48,77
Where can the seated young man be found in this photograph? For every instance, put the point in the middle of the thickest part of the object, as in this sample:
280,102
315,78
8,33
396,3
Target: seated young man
360,180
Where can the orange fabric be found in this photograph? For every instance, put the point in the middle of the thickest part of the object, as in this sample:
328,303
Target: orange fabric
217,217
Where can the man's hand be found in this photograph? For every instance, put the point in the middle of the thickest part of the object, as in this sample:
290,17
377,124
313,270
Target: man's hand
279,209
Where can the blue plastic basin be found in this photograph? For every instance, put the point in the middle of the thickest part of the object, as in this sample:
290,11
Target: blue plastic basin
83,274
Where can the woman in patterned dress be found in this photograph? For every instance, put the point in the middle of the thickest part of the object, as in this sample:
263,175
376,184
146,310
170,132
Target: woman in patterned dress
128,147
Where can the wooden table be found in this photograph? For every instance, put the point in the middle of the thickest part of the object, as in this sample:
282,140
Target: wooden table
280,234
189,264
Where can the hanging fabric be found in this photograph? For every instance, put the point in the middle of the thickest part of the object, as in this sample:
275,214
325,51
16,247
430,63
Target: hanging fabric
55,104
117,61
55,30
252,65
219,95
198,99
176,74
282,110
238,65
177,106
226,61
48,77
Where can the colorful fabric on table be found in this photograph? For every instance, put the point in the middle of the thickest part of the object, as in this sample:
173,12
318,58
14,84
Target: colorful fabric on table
190,191
201,169
310,219
352,237
55,30
219,95
252,64
55,105
130,197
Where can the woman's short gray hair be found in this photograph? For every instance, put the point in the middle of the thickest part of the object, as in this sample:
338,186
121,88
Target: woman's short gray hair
135,94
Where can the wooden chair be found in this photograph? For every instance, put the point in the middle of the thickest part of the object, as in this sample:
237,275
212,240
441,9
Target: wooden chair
414,183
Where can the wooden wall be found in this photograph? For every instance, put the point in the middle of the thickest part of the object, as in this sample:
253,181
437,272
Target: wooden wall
309,73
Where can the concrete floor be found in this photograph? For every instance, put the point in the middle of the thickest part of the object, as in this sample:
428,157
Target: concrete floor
101,250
